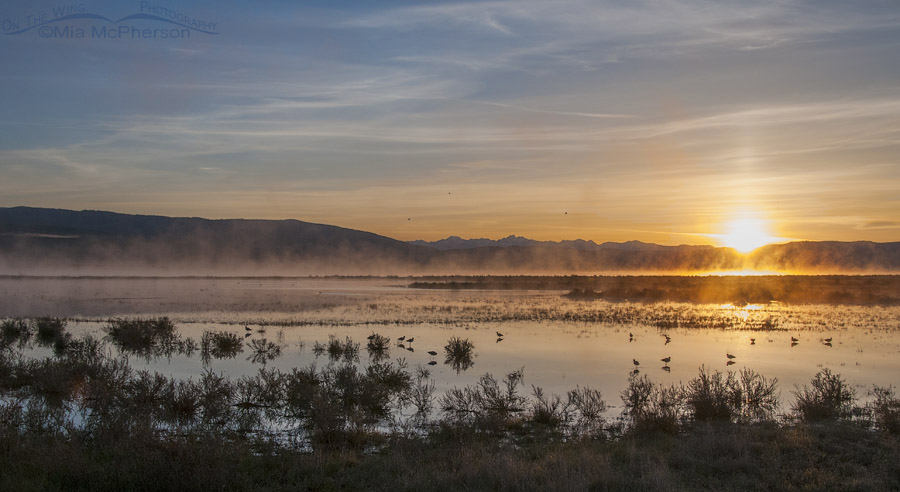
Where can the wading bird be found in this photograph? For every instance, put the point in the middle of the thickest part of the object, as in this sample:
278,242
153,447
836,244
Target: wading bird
828,340
666,360
730,356
499,335
400,339
431,353
410,340
635,361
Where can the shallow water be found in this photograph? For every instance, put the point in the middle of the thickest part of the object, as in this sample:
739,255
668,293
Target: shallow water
560,343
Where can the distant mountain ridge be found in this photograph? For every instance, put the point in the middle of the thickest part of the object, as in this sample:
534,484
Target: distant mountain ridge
41,241
456,242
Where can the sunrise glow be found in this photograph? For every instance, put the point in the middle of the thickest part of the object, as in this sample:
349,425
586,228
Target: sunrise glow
746,234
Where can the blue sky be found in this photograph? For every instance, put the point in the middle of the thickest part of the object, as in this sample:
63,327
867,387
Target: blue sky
653,120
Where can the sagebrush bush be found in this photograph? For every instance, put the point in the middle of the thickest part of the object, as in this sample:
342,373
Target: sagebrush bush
827,397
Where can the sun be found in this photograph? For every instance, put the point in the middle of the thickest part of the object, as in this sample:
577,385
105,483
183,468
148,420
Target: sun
746,234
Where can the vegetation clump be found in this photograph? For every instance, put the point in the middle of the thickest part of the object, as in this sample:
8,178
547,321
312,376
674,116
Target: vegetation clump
827,397
152,337
459,353
220,345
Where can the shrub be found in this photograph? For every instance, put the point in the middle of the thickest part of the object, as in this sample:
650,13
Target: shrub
486,404
13,330
152,337
886,410
378,347
220,345
746,396
652,408
827,397
459,354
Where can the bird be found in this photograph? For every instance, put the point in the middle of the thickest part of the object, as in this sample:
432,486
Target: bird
431,353
499,335
828,340
371,337
246,328
752,341
794,339
666,360
730,356
410,340
400,339
668,339
635,361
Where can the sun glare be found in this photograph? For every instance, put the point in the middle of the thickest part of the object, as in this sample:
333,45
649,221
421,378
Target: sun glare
747,234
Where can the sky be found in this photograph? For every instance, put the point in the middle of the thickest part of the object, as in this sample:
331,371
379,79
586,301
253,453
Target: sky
664,121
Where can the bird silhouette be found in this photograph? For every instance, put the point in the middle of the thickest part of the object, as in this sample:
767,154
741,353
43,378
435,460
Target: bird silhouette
246,328
410,340
499,335
730,356
635,361
752,341
431,353
666,360
828,340
400,339
794,339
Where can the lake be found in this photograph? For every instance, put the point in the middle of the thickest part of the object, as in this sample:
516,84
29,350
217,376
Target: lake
560,343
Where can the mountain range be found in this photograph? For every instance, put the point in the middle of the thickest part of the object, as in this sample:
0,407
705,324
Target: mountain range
41,241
